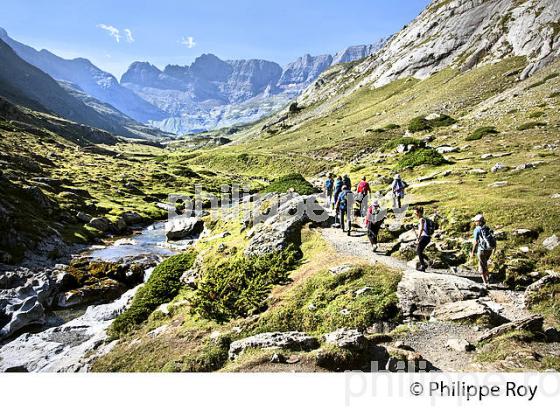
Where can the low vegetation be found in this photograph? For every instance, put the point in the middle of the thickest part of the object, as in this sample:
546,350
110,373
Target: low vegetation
295,182
239,286
481,132
531,125
422,156
418,124
355,298
162,286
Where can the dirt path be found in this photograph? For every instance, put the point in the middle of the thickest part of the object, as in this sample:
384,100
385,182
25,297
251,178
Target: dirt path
429,338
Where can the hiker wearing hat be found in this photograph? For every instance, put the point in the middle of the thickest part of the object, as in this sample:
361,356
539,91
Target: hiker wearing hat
373,221
485,242
398,186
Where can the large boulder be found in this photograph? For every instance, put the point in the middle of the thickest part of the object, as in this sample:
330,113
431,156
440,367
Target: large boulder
282,340
101,224
351,339
28,312
132,218
551,242
534,292
181,228
282,227
71,347
532,324
24,294
103,291
420,292
473,311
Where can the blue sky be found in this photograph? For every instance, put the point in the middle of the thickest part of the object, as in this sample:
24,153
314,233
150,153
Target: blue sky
113,34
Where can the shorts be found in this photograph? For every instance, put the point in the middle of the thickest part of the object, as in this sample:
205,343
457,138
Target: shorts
483,257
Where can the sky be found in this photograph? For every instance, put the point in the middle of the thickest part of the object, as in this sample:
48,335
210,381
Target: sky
113,34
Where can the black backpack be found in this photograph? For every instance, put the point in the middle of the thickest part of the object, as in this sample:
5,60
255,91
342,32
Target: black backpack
431,226
488,239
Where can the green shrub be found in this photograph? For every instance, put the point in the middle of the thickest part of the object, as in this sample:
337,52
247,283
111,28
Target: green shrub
404,141
326,302
530,125
481,132
442,121
291,181
427,156
536,114
240,286
418,124
544,80
392,126
162,286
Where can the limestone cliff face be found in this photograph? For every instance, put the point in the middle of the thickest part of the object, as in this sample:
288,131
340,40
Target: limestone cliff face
457,33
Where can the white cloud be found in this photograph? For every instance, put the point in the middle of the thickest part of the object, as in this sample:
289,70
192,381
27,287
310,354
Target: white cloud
128,35
188,41
113,31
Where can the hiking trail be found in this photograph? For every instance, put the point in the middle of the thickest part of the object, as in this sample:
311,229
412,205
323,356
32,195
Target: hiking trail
429,338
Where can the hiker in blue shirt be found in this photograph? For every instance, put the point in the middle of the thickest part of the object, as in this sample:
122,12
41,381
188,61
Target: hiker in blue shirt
343,206
337,190
485,242
329,185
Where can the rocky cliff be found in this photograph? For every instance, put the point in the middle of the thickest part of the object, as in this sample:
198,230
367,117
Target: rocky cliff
212,93
457,33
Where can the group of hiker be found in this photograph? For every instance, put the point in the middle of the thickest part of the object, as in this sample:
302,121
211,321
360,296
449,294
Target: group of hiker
349,205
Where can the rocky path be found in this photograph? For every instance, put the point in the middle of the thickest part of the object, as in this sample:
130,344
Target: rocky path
430,338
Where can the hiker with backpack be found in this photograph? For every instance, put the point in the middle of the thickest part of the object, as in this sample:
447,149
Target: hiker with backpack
343,207
337,190
346,181
362,194
426,228
398,188
373,221
329,186
485,243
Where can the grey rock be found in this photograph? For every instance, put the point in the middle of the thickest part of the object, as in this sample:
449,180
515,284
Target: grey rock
71,347
282,228
532,324
459,345
351,339
132,218
471,311
283,340
181,228
498,184
533,292
551,242
420,292
101,224
83,217
499,167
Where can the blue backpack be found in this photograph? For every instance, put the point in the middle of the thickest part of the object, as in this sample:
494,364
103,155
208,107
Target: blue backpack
328,184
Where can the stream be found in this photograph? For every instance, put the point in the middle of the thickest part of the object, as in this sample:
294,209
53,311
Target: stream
72,337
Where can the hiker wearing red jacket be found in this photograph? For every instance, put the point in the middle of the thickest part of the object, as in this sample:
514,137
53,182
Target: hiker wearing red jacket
362,195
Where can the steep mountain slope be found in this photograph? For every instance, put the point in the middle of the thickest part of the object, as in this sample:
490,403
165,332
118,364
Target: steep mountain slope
93,81
139,130
25,84
457,33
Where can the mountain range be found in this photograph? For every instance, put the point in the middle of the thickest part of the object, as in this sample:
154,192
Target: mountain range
210,93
